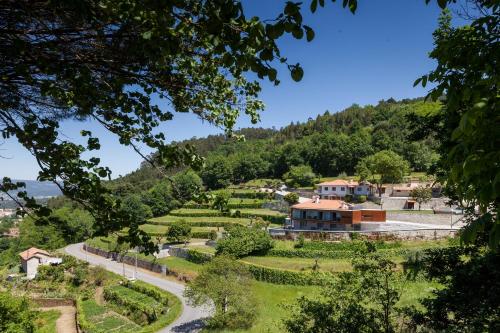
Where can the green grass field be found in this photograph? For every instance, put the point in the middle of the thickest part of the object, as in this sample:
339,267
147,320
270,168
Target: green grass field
195,212
46,321
270,305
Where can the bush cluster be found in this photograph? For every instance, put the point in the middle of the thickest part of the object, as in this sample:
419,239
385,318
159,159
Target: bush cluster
280,276
242,241
198,257
150,290
212,234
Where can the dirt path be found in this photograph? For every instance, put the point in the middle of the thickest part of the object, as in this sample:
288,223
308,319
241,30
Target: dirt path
66,322
99,295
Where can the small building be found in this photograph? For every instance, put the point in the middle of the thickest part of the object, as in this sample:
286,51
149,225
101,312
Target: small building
33,257
12,232
325,214
339,188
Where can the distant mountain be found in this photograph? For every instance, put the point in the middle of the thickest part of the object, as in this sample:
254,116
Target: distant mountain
37,189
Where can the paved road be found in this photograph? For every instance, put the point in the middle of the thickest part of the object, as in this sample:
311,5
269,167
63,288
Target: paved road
191,317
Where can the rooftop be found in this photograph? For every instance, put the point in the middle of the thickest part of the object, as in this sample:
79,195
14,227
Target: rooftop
32,252
343,182
321,204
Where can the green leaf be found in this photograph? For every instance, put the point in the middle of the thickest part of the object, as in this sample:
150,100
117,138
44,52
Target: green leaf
309,33
147,35
314,5
442,3
297,73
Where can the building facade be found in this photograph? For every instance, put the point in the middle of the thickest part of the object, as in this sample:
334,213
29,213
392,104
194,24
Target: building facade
340,188
331,215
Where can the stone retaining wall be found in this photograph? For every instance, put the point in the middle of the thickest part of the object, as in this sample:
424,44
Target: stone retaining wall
420,234
129,260
53,302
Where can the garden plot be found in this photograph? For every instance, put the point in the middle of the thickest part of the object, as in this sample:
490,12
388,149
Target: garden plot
103,319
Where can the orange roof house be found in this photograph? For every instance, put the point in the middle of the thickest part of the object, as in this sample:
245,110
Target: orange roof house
33,257
324,214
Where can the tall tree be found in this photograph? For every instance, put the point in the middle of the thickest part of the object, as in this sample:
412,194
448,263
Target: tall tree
227,283
467,80
383,167
104,60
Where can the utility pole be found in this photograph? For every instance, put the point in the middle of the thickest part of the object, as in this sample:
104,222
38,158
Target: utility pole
135,268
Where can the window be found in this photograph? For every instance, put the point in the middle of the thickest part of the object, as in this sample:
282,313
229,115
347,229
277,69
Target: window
359,189
334,188
342,188
303,224
320,225
326,188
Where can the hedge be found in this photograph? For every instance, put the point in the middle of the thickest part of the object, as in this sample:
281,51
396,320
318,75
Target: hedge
229,206
212,234
279,276
249,195
199,223
84,324
303,253
277,219
149,290
198,257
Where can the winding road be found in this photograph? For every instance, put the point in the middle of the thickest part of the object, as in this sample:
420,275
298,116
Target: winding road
191,318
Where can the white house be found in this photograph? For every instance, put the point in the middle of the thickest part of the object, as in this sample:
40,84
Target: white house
340,188
33,257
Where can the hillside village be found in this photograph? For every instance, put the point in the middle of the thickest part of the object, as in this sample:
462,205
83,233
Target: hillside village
197,166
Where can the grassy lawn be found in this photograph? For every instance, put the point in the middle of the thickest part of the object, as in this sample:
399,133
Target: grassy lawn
46,321
203,248
270,301
300,264
180,265
212,219
205,211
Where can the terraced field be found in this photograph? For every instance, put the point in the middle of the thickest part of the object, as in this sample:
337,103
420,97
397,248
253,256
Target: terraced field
106,320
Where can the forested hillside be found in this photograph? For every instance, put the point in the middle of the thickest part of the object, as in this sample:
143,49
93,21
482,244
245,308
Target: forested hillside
331,144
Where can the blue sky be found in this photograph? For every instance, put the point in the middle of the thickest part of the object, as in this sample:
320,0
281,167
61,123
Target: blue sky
363,58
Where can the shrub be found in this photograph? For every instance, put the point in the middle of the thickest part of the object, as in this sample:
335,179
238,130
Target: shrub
242,241
291,198
361,198
149,290
300,242
279,276
179,232
198,257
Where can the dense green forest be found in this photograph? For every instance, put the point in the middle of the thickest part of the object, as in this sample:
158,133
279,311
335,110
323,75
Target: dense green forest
331,144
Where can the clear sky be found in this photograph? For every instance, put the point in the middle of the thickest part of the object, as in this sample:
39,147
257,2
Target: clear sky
363,58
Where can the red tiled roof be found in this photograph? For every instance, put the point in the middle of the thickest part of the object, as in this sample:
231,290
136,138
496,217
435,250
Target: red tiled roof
321,204
31,252
343,182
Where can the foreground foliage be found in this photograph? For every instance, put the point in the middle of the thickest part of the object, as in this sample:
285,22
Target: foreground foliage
226,283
